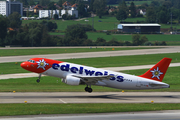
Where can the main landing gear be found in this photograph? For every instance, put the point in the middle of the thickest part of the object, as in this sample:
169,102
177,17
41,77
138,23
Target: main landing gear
38,80
88,89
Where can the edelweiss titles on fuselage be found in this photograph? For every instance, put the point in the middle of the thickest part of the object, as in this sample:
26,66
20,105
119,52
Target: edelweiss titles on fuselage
81,70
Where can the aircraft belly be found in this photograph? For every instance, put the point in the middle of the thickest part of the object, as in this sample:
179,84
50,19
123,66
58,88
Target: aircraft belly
55,73
120,85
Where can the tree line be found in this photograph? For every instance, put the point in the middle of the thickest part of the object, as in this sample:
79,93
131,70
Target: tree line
158,11
36,34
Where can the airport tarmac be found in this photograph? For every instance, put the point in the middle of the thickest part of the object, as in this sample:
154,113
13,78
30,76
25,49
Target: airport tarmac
173,49
94,97
148,115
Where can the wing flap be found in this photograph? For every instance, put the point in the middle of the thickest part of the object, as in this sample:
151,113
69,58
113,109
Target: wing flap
93,79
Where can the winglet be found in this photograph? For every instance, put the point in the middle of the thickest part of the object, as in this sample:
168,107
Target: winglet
158,71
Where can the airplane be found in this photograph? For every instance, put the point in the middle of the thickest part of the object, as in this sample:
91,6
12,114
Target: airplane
74,74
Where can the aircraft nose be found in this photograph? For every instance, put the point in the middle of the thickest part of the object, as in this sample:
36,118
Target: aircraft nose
25,65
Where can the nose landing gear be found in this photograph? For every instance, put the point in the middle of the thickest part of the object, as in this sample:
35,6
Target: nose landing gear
38,80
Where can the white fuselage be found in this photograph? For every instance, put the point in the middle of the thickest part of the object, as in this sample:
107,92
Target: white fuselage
120,80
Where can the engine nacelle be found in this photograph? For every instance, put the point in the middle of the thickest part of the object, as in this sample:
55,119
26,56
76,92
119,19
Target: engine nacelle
70,80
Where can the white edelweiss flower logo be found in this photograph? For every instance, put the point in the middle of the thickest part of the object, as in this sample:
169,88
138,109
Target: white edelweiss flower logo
42,64
156,73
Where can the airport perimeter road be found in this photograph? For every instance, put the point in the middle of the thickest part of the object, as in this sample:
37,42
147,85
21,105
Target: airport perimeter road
149,115
173,49
94,97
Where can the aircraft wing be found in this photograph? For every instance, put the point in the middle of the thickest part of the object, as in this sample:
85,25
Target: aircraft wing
93,79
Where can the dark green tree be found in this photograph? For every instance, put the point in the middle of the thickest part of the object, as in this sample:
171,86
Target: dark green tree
121,15
44,2
176,3
82,11
49,25
60,2
74,34
55,16
143,39
74,1
151,15
132,10
168,4
19,40
33,25
143,6
123,6
31,2
91,6
87,42
35,36
25,2
51,6
14,20
46,39
136,39
99,7
155,3
114,42
100,41
3,28
163,15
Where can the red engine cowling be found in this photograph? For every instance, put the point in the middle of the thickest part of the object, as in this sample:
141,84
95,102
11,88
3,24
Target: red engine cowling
70,80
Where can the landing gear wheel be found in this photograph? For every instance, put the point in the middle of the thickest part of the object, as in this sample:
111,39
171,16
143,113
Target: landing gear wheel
38,80
90,90
86,89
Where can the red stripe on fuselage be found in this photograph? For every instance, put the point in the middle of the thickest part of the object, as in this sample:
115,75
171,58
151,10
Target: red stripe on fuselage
39,65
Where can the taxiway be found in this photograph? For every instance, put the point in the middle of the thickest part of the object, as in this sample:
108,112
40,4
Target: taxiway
173,49
95,97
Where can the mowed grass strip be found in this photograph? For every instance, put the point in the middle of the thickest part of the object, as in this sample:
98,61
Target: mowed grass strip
107,22
37,109
17,52
53,84
117,61
128,37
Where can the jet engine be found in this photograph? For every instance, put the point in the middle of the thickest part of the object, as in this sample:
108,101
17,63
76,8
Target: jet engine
70,80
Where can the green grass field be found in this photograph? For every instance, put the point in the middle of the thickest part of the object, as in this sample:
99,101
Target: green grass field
108,22
37,109
170,39
128,37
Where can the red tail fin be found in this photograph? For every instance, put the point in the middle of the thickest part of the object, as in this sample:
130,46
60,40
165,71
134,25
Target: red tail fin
158,71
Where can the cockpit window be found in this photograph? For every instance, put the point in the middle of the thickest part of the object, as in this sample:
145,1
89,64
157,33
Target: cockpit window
32,61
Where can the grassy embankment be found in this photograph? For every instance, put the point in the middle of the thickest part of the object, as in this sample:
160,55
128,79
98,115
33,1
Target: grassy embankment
37,109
